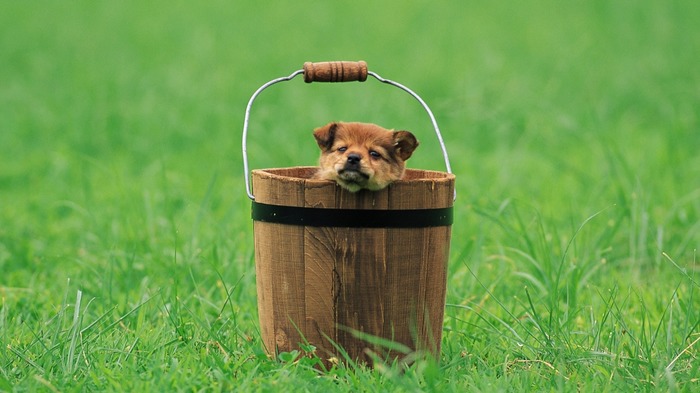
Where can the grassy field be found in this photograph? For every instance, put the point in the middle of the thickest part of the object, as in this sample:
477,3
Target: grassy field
126,250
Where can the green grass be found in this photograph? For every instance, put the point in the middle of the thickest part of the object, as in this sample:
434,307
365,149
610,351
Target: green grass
126,250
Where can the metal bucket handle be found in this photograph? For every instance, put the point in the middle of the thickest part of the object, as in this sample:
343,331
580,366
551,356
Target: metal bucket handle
333,71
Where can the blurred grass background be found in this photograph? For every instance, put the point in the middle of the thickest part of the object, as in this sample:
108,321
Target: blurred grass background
121,174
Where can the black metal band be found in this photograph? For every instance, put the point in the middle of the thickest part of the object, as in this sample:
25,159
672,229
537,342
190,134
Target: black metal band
352,218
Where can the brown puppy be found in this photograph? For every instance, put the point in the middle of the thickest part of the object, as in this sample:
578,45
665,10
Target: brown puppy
362,155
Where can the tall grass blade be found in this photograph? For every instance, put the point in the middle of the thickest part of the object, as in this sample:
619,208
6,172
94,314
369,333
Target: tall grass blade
71,361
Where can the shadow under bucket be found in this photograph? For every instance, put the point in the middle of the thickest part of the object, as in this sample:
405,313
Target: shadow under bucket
334,268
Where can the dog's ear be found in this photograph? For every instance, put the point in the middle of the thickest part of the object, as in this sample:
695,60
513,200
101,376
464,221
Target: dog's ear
405,143
325,135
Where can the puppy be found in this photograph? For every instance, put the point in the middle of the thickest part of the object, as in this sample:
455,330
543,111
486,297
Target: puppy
361,155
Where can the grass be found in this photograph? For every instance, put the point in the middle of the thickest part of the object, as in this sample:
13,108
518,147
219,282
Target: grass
126,252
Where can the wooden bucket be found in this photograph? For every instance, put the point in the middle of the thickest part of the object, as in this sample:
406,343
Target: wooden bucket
331,264
352,274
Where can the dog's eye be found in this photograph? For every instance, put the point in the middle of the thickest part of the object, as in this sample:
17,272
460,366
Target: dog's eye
374,154
342,149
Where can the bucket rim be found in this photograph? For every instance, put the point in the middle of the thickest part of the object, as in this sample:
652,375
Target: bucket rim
305,173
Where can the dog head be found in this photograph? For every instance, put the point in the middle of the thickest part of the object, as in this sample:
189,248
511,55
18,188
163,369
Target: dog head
362,155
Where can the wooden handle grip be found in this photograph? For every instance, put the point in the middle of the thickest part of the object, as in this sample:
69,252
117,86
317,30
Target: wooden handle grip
335,71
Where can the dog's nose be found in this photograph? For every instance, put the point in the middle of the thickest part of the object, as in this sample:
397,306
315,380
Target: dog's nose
354,158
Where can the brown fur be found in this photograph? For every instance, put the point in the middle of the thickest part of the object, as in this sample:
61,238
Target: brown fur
362,155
